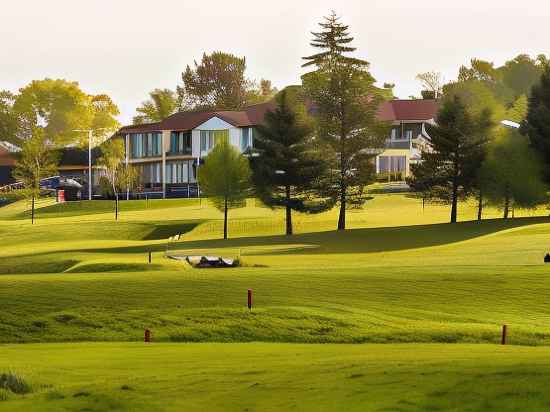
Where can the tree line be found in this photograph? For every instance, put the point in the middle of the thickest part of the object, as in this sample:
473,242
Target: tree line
472,155
316,149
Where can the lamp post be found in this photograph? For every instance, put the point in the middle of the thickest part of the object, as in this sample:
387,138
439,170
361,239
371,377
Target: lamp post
90,136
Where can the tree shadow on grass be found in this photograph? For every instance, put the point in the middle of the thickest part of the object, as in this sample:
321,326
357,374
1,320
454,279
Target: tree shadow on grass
349,241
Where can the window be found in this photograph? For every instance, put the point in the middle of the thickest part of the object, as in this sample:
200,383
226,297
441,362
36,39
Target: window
145,145
246,138
392,164
408,134
211,137
150,173
180,143
178,171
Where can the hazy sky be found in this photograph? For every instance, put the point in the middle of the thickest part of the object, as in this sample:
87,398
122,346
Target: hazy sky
126,48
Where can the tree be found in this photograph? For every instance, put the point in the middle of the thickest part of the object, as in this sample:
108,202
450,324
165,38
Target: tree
36,161
537,122
58,107
218,82
290,169
112,162
451,165
346,103
512,173
104,122
8,119
432,82
225,178
161,104
522,73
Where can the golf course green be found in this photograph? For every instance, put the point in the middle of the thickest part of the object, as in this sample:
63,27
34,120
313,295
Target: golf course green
400,312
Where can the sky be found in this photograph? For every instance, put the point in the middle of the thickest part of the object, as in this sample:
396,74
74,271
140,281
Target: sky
126,48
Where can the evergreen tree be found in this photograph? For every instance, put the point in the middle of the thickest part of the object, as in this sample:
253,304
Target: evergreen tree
346,103
458,142
512,173
290,169
537,122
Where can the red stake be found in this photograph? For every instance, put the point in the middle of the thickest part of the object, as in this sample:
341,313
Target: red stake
147,337
250,299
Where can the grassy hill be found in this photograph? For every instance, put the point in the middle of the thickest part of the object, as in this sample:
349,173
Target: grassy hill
75,278
399,275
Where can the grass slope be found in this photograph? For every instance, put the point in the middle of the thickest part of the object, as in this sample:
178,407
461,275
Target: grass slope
275,377
73,278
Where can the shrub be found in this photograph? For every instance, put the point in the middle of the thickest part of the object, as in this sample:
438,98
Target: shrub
14,383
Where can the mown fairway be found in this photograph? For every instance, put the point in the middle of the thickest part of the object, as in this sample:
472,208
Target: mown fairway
279,377
401,275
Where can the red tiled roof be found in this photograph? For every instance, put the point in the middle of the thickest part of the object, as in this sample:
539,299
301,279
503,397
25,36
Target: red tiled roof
6,158
395,110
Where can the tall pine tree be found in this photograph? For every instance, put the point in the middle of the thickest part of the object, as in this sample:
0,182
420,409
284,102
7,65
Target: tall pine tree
345,102
290,169
537,123
450,167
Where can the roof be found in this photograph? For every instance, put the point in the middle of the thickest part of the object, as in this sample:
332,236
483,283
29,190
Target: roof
420,109
393,110
6,157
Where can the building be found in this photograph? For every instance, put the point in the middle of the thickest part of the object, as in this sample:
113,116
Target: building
167,153
175,144
408,134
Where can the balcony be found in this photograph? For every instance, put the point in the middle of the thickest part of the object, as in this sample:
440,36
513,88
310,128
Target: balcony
398,144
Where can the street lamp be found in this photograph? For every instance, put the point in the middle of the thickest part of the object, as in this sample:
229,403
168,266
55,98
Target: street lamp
90,135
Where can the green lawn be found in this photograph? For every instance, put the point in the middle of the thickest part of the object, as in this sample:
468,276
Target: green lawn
278,377
400,275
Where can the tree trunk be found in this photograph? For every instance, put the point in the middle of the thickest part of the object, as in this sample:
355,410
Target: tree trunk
506,205
225,218
342,214
116,206
32,211
454,200
480,206
288,212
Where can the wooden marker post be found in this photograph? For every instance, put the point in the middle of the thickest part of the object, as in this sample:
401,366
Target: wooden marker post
147,336
150,257
250,299
503,339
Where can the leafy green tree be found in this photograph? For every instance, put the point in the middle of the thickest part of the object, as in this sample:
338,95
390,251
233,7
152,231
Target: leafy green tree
161,104
537,122
512,173
521,74
57,106
37,160
346,103
218,82
104,123
8,119
458,142
225,178
290,169
112,161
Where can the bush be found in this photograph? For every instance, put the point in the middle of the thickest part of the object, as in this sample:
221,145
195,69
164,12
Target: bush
14,383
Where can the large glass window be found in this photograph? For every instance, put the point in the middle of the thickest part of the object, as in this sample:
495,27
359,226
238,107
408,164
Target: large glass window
145,145
246,138
151,173
392,164
180,143
211,137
